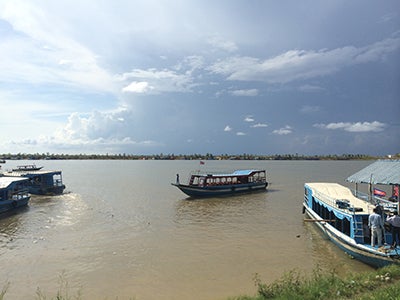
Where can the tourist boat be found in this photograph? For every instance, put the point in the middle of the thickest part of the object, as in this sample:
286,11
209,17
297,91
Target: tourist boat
342,214
41,182
215,184
13,193
32,167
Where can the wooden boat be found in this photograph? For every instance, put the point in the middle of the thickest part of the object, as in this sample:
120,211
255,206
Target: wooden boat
13,193
214,184
32,167
342,214
343,217
41,182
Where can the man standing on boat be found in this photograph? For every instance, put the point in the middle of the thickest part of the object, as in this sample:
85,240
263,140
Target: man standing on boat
395,222
375,223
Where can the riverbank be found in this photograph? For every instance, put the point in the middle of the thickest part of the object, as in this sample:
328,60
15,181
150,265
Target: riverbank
382,284
124,156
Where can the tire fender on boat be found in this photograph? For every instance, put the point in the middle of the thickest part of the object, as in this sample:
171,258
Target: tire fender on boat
14,203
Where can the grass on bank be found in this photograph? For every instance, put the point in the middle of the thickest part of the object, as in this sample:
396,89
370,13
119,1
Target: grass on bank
382,284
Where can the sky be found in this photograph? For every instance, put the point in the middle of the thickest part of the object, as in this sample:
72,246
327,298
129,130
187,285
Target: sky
200,76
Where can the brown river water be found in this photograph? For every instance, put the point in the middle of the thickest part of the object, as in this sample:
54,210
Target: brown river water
122,231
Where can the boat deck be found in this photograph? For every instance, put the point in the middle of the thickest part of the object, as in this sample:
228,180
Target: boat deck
331,192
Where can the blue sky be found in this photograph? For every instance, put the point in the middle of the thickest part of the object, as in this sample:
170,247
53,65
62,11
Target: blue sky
183,77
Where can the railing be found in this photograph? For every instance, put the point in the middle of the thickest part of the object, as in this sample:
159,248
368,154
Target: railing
374,200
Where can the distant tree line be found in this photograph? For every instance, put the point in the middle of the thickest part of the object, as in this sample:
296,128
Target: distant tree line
207,156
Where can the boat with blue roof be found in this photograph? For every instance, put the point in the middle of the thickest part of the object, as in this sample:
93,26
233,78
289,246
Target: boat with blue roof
343,214
13,193
208,184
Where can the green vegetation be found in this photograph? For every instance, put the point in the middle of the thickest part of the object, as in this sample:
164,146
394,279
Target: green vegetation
382,284
207,156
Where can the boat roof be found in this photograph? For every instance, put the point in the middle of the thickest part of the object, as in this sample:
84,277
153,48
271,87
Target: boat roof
384,171
27,173
335,191
6,181
234,173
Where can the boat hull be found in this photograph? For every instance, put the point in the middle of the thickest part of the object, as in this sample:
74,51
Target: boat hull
9,205
49,190
216,191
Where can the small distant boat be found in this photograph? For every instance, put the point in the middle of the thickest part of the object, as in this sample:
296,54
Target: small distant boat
214,184
24,168
41,182
13,193
342,214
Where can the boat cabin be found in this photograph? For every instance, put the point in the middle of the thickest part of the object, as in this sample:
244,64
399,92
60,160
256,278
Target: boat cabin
235,178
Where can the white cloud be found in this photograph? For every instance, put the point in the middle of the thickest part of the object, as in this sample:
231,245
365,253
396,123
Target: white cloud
259,125
227,128
41,51
98,131
240,133
283,131
374,126
138,87
249,119
161,80
246,93
302,64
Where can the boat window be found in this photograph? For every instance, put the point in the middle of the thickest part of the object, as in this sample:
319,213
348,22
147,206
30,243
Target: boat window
195,180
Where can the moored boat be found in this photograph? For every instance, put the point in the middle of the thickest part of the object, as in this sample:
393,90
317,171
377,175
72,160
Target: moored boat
13,193
342,214
216,184
41,182
32,167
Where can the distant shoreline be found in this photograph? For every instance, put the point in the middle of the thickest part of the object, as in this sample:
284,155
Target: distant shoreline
208,156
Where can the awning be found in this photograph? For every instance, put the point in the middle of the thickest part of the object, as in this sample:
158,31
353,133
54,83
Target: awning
385,172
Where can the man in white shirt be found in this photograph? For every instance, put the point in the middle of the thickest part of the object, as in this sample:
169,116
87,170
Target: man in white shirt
375,223
395,222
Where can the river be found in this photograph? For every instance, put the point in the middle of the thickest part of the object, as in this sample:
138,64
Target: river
122,231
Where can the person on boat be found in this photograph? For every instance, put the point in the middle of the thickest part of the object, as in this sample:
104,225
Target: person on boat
394,220
177,178
375,223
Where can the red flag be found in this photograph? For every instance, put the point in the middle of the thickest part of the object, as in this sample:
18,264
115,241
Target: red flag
396,191
202,162
380,193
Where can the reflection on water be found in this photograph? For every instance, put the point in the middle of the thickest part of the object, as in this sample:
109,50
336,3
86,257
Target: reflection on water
123,231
